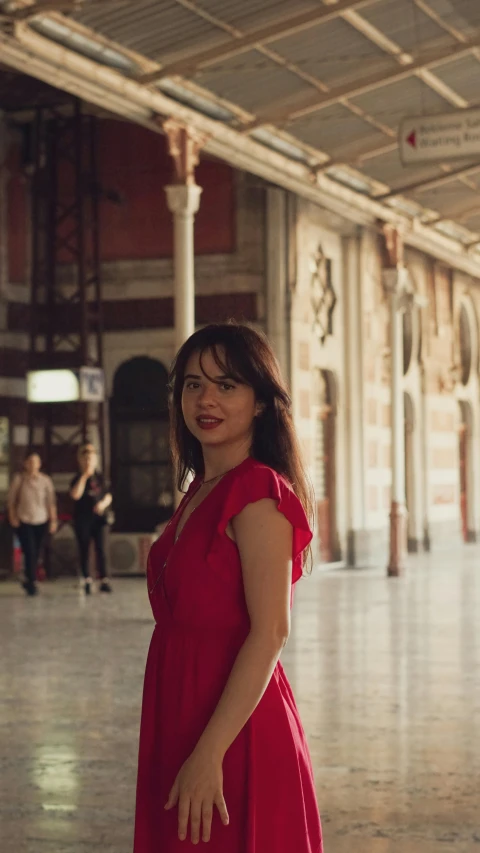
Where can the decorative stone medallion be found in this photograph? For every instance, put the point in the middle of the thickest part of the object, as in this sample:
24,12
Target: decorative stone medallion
323,298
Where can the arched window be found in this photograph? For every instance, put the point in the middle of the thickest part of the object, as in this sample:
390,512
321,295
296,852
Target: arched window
325,466
141,467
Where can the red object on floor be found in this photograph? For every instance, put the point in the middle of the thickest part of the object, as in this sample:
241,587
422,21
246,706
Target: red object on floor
17,559
201,623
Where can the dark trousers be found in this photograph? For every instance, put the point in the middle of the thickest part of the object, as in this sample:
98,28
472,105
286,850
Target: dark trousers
90,529
31,537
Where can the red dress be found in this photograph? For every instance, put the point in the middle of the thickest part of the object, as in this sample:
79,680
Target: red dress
201,622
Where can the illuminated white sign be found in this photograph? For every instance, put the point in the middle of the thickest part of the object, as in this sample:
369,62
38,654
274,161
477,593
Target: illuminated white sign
52,386
65,386
449,136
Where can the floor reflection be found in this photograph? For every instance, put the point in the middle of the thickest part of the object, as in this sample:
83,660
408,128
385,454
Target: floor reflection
386,673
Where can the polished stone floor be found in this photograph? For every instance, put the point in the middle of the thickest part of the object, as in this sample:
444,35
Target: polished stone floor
386,674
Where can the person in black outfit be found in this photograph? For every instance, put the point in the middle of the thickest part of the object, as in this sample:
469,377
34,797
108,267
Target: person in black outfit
91,502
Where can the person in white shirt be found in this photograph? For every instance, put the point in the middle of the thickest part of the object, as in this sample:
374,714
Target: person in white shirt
32,510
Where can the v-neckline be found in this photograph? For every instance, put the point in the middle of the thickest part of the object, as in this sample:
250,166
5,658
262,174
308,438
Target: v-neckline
176,533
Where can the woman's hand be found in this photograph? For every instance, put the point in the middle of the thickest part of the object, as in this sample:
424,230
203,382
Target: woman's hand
197,789
99,508
53,526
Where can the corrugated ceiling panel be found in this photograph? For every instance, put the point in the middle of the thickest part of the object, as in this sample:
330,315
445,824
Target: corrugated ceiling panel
404,23
472,222
334,52
250,14
159,31
336,130
399,100
463,75
449,199
388,169
464,15
254,84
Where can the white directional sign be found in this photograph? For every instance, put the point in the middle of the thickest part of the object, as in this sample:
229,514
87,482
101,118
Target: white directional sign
92,384
449,136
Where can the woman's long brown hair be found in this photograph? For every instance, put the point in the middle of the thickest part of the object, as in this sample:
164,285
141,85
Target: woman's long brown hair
244,355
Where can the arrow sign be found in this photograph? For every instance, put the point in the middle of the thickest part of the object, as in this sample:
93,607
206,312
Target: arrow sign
435,138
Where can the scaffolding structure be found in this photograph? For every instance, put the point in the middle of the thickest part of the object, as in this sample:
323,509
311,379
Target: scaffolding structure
66,323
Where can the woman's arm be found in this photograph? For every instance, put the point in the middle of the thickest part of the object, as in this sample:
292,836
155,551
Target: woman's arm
103,504
12,501
76,492
52,507
264,539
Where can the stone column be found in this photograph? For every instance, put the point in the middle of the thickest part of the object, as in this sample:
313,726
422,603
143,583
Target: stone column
276,319
183,202
357,552
398,512
394,280
183,199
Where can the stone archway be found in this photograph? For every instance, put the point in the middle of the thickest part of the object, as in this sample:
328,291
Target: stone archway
465,458
410,472
142,478
325,467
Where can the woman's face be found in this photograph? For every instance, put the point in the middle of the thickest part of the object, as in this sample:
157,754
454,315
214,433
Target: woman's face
32,464
218,410
88,458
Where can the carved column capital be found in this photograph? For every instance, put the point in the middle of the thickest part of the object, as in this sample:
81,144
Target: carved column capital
184,145
392,246
183,199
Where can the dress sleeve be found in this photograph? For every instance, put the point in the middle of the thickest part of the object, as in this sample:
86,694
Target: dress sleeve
260,483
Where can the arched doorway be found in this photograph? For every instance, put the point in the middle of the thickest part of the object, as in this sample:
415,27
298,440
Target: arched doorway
465,467
141,467
410,473
325,467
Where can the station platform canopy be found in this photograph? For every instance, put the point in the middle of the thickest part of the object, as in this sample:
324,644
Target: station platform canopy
309,95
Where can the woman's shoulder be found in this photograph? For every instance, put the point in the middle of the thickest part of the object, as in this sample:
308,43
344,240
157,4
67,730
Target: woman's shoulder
252,471
253,481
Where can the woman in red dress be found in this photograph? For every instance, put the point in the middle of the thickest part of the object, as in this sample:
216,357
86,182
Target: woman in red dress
223,757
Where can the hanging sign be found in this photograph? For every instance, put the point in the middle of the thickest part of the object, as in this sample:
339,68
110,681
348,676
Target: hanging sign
92,384
448,136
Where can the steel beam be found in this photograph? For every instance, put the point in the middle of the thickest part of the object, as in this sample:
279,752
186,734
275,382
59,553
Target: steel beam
431,183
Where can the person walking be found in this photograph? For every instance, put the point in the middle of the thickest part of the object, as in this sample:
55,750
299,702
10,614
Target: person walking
223,756
32,511
92,500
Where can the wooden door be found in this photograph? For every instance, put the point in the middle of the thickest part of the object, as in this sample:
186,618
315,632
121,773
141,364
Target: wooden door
325,484
463,436
409,473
